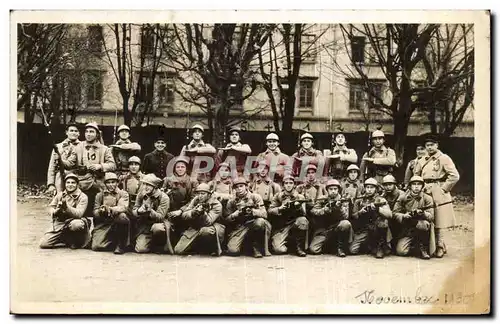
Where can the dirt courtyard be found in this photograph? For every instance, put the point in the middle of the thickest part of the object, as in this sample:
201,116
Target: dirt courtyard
84,276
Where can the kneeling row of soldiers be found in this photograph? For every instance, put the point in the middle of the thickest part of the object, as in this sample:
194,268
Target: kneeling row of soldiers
241,222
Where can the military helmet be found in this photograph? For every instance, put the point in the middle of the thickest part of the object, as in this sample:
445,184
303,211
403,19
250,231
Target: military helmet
198,126
311,167
134,159
183,159
223,164
272,136
110,176
388,179
371,181
234,129
416,178
71,176
332,182
289,177
152,179
203,187
378,133
240,180
352,167
306,135
92,125
123,127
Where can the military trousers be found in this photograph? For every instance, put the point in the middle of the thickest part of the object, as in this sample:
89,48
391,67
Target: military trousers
254,233
153,236
297,230
207,239
323,236
109,233
71,232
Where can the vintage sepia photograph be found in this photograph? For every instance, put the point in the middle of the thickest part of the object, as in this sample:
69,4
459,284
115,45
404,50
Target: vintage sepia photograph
258,162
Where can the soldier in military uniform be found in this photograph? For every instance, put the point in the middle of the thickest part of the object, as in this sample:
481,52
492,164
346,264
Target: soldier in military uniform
70,227
222,185
414,210
150,210
234,150
111,217
246,221
421,152
306,155
179,186
379,161
311,188
352,185
331,222
288,218
264,186
391,191
279,163
440,175
339,157
370,221
157,161
131,181
204,234
123,149
68,157
197,147
93,159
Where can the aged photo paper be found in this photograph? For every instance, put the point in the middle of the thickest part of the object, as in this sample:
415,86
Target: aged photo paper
250,162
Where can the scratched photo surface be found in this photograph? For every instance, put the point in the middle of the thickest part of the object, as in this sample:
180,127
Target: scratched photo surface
177,162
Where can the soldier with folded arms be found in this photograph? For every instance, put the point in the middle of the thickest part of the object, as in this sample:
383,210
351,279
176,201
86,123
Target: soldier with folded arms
339,157
123,149
306,154
235,150
69,225
279,162
380,160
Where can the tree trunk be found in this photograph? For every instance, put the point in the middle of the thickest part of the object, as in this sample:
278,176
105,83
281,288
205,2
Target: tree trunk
127,118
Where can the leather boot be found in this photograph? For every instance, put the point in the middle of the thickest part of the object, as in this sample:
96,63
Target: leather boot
256,252
340,244
121,238
423,244
440,250
379,253
301,242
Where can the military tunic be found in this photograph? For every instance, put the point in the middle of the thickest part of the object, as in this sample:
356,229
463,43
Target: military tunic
202,228
239,152
336,168
115,229
311,190
265,188
254,231
382,165
201,149
156,162
279,164
68,157
288,224
123,153
131,183
302,158
440,175
72,228
353,189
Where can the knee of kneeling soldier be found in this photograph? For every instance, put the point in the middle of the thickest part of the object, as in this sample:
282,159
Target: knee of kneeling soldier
233,249
158,228
402,249
279,249
314,249
383,224
207,231
344,225
423,225
122,218
302,223
259,223
76,225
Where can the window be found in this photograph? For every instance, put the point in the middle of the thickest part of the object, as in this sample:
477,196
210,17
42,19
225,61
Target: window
95,39
358,49
359,96
376,87
308,48
145,92
74,90
147,41
94,87
166,93
306,93
236,97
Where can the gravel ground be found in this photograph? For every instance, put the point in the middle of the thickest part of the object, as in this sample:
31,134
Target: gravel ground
83,276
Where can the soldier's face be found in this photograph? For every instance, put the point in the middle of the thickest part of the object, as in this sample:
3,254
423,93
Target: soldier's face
378,141
307,143
353,174
389,187
224,172
311,174
180,169
160,145
431,147
288,185
234,137
332,191
263,171
111,185
421,151
416,187
370,190
340,139
148,188
203,196
71,185
272,144
197,134
90,134
124,134
134,167
241,189
72,133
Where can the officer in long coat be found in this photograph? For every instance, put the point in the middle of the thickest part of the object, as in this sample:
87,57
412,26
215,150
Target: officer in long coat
379,161
123,149
339,157
264,186
306,155
157,161
198,148
70,227
68,157
331,222
150,210
370,221
288,219
204,233
246,220
234,150
440,175
414,210
279,163
111,217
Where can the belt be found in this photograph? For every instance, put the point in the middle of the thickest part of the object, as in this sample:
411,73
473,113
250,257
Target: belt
434,180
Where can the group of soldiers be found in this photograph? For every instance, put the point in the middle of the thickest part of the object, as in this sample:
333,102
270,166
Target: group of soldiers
108,199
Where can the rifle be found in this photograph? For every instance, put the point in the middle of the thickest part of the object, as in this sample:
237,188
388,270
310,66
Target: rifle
245,212
60,208
56,150
418,213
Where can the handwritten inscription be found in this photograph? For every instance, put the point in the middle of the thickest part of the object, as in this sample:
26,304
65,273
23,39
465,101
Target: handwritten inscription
451,298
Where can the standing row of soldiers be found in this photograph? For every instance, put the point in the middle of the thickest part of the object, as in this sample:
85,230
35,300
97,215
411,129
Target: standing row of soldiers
360,210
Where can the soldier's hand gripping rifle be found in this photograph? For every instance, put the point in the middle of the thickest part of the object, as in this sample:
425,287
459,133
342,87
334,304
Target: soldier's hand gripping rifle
419,213
370,211
60,210
245,213
198,212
